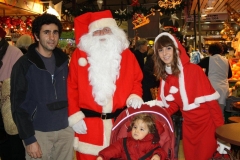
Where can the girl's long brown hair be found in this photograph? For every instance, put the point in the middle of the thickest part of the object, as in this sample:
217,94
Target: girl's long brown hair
159,65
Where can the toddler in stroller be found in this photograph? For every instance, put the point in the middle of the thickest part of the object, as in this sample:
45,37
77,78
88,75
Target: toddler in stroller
155,140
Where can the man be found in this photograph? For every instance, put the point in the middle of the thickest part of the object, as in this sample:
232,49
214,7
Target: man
104,76
218,71
140,52
39,94
11,146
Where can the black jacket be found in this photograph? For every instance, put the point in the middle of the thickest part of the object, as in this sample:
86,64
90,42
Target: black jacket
140,58
149,79
38,100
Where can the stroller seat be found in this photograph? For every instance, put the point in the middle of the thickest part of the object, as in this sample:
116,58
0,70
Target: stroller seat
162,118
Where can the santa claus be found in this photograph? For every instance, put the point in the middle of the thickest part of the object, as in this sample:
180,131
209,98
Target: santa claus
104,77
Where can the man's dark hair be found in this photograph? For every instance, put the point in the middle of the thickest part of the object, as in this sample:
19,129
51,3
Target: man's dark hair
45,19
215,48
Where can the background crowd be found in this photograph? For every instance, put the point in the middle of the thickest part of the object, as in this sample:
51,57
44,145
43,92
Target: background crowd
55,101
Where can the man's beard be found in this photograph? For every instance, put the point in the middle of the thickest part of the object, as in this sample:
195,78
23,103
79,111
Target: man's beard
104,57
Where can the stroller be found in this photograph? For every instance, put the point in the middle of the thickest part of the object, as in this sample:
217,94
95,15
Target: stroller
167,138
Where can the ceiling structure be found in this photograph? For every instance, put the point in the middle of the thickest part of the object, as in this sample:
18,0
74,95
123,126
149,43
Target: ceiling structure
219,6
16,10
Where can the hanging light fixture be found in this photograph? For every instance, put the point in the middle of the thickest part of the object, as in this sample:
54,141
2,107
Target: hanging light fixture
210,5
169,3
203,14
100,3
51,9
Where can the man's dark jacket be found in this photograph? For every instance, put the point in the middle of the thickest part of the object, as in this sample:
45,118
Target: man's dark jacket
38,99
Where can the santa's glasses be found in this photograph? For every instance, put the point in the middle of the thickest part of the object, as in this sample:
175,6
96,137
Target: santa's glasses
105,30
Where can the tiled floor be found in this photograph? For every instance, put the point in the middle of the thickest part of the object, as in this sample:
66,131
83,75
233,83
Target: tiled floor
180,154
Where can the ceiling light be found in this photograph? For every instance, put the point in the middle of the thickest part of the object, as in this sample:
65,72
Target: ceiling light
169,3
203,14
99,3
51,10
209,7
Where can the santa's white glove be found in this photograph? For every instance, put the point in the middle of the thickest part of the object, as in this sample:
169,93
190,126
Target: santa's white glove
134,102
222,145
154,103
80,127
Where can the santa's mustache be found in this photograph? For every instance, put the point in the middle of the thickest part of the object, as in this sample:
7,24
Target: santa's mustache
104,44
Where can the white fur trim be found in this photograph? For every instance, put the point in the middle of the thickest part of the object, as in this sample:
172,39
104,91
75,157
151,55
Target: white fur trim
132,96
82,61
170,97
160,103
166,34
73,119
173,89
181,81
153,103
101,23
162,94
150,103
87,148
108,107
200,100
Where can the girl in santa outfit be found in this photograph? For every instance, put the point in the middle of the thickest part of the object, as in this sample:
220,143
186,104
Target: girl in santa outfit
184,86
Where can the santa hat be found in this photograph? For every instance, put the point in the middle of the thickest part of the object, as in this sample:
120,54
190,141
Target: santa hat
2,33
92,21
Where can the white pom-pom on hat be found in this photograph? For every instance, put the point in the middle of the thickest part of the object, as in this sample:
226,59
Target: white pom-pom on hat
82,61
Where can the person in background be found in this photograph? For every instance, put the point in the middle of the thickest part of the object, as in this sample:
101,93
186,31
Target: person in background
218,70
11,146
226,49
132,45
104,77
39,94
143,137
141,50
184,86
195,57
149,78
23,42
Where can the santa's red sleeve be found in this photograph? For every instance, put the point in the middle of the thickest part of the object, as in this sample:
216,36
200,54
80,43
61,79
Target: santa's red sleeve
74,112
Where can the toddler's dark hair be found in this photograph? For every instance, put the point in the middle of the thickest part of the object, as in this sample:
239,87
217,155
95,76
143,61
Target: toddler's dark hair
146,118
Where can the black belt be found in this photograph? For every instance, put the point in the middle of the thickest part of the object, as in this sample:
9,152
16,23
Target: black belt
91,113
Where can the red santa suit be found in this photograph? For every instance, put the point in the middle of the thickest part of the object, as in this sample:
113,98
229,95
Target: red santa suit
193,94
80,88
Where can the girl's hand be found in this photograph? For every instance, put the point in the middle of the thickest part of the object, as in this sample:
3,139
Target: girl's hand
156,157
99,158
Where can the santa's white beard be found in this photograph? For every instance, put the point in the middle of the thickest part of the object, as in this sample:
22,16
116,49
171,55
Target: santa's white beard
104,57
